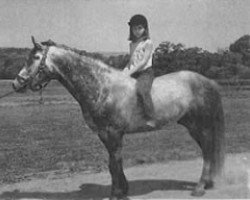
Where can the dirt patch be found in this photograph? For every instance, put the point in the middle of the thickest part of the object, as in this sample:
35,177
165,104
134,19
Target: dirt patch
175,179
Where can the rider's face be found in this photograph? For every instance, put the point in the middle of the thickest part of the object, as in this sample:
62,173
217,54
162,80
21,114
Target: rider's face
138,31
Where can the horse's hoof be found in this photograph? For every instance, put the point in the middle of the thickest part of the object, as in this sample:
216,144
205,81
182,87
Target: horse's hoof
198,192
209,185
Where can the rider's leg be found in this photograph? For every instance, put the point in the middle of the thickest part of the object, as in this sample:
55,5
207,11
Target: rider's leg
144,85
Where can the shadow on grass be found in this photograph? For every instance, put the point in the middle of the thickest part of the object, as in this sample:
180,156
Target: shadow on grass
95,191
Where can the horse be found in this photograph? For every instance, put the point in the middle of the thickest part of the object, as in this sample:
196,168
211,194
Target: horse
110,106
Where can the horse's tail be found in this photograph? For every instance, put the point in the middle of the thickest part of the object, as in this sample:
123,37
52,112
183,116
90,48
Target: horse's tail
218,130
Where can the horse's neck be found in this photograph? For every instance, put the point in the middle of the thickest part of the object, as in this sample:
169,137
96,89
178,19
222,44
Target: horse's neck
82,76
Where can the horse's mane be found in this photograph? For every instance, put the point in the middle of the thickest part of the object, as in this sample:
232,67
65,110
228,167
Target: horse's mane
63,46
81,53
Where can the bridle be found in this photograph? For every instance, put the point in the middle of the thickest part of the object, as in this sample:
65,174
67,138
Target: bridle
42,68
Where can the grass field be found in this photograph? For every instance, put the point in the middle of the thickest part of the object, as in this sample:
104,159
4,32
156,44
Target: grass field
52,137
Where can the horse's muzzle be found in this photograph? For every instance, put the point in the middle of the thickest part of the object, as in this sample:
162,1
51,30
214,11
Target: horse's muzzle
19,86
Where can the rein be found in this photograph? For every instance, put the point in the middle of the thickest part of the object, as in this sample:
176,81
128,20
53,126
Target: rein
7,94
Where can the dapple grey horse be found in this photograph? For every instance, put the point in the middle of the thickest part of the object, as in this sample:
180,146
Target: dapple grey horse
110,106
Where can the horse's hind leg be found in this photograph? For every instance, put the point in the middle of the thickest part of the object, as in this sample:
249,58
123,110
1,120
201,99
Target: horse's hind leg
204,141
206,180
113,143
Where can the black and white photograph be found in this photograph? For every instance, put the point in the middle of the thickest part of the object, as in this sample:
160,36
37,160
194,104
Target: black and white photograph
124,99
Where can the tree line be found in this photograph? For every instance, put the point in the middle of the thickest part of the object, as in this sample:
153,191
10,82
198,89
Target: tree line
168,57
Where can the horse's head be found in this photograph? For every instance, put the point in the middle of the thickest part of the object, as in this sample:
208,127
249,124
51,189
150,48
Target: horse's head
36,72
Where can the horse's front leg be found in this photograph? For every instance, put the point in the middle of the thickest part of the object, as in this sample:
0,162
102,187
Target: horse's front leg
113,142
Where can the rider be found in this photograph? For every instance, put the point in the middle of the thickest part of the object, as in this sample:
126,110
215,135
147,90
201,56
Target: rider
140,64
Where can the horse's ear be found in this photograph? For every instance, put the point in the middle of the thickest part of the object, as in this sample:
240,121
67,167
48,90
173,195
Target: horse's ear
33,40
36,45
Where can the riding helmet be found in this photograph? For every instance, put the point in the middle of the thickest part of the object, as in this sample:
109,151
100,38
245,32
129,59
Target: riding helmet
138,20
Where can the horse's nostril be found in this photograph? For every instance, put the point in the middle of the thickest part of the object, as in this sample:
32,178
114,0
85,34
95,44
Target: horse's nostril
18,87
14,86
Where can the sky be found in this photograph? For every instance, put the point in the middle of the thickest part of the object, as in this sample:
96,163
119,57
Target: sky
101,25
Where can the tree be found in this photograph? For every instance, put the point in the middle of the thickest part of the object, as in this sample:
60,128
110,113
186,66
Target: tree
169,57
242,46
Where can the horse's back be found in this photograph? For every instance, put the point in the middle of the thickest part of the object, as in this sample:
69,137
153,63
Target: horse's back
182,80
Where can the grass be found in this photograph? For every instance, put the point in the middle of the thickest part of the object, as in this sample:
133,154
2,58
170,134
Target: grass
40,138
